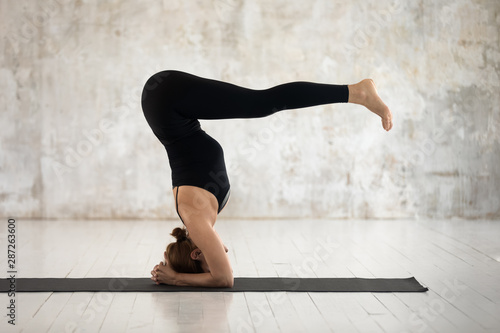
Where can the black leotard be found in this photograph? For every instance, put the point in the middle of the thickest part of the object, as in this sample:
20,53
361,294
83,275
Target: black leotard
173,102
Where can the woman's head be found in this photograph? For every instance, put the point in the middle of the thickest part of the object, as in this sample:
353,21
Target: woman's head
183,255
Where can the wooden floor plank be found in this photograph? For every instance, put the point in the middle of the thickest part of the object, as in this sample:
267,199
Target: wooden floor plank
261,313
72,315
47,313
332,312
238,313
306,310
285,313
119,313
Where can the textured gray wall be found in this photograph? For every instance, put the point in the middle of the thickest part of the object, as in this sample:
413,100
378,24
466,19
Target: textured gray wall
74,142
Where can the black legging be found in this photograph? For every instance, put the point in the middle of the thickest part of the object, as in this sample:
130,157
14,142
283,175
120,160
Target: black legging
173,102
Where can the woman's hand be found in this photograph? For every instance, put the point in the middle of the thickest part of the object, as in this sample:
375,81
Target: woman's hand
163,273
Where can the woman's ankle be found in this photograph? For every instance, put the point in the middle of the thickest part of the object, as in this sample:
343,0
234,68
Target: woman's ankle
356,94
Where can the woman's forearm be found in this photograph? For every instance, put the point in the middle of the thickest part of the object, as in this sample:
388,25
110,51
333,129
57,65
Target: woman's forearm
202,280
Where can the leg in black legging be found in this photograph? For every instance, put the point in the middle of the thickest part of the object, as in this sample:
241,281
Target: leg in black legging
210,99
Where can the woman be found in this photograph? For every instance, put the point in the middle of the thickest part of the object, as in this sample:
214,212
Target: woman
173,102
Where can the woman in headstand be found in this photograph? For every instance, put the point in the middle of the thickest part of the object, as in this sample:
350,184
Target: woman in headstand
172,102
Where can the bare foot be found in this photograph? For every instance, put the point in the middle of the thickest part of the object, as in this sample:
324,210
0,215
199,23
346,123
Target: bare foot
365,93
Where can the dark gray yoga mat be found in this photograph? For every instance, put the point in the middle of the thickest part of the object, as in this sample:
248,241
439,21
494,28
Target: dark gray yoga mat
261,284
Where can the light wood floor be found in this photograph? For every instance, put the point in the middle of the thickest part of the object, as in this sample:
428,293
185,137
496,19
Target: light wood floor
457,260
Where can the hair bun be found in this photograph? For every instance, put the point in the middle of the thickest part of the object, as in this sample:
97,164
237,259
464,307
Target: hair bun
180,234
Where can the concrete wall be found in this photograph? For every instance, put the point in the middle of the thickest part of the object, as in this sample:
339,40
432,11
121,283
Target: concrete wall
74,142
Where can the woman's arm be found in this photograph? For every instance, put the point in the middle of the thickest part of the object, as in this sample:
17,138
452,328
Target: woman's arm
163,273
200,280
202,233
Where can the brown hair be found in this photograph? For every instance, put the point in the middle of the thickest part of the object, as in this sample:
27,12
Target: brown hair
179,253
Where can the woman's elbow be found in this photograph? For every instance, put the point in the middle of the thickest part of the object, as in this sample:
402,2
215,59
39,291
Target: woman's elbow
230,282
225,282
